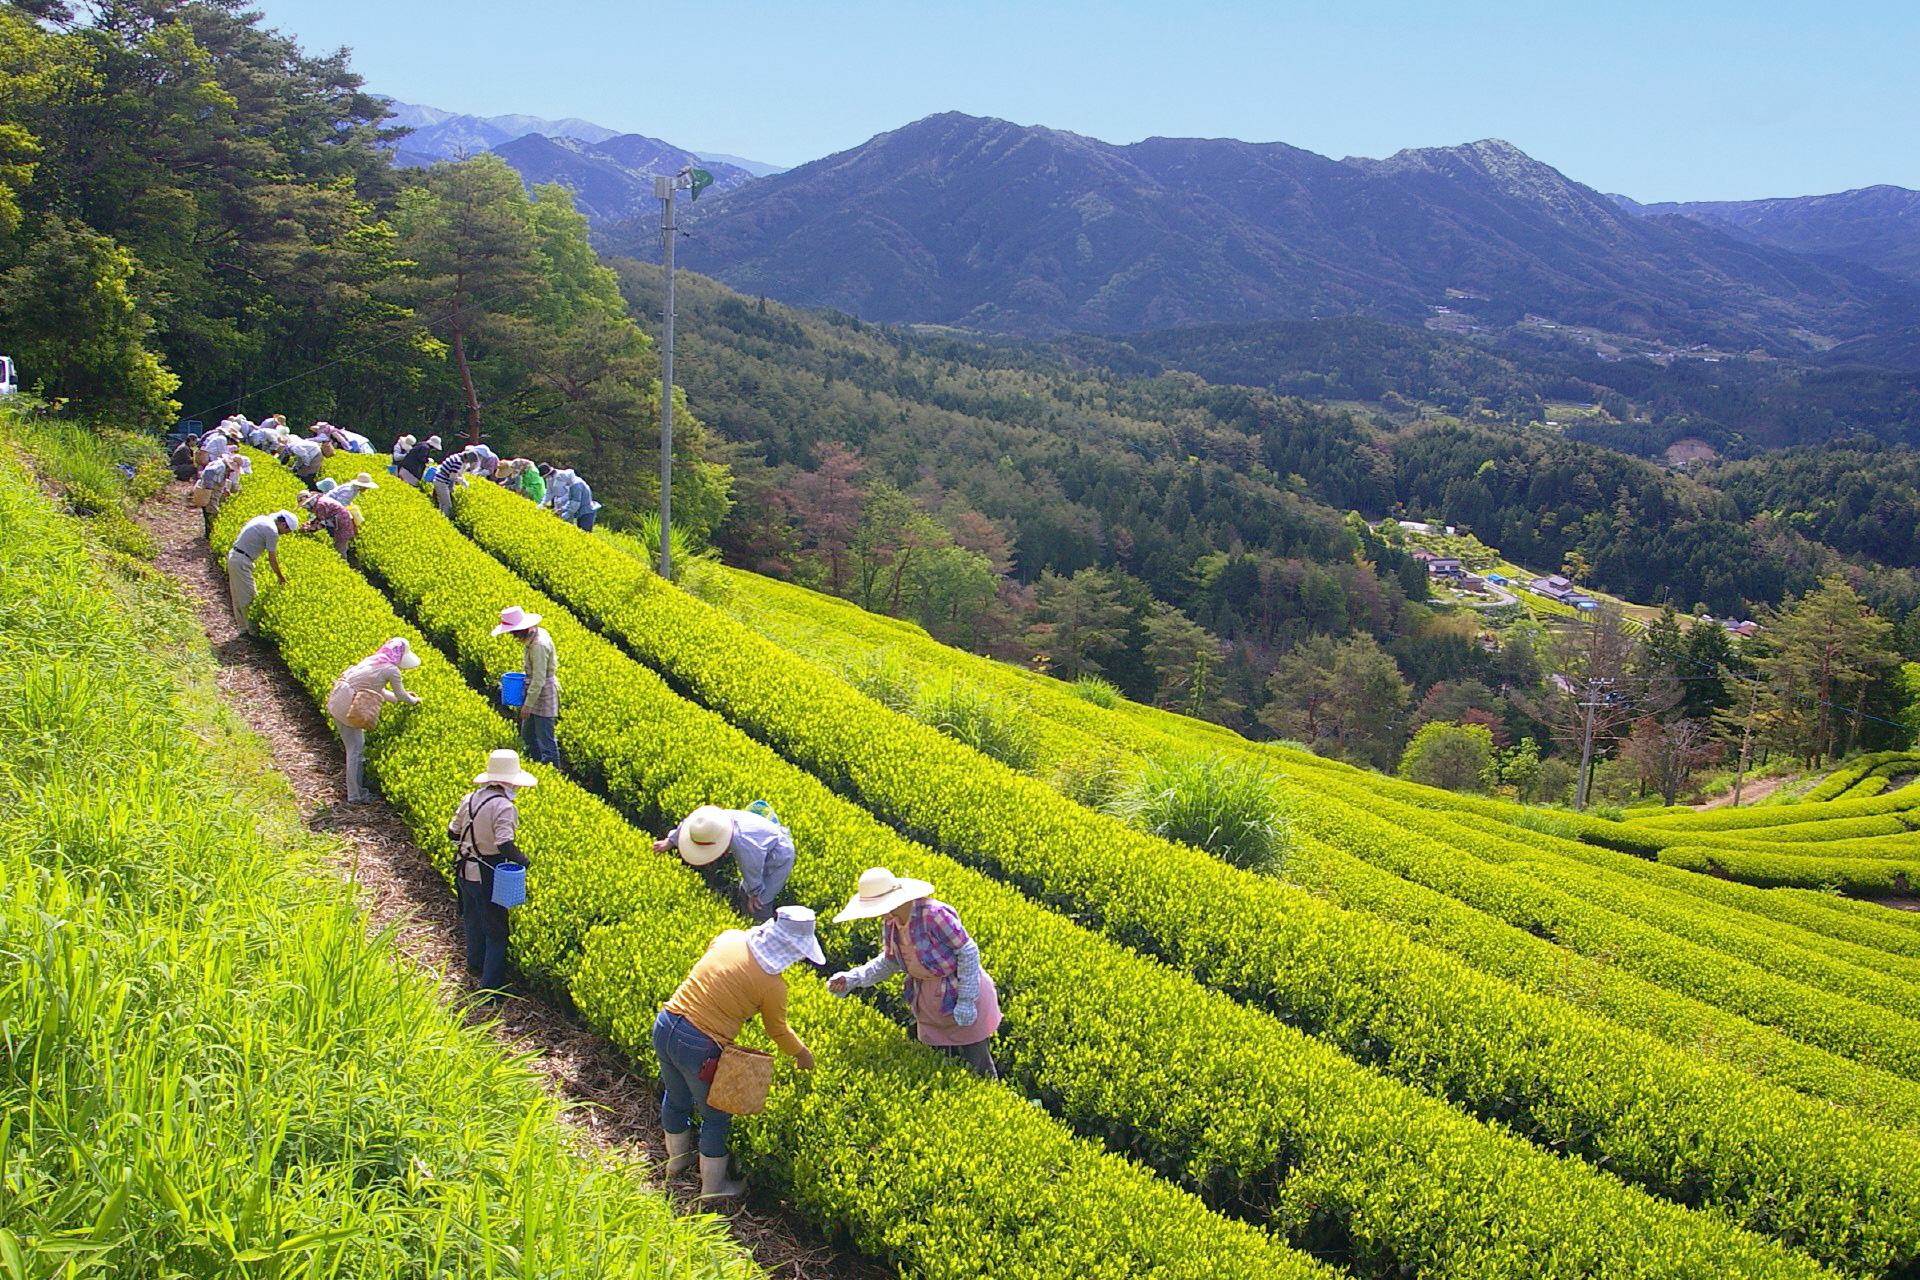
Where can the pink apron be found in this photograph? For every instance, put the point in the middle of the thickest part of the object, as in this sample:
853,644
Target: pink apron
936,1027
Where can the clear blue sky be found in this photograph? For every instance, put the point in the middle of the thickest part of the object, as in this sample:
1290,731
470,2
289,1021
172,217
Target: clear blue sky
1657,99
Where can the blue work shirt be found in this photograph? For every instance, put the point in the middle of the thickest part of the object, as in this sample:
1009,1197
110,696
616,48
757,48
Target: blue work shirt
764,850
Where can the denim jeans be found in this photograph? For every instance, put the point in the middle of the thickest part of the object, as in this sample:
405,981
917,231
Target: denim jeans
486,929
355,742
537,733
683,1049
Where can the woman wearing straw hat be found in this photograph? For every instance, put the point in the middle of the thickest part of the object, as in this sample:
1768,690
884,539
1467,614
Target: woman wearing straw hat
377,673
955,1006
762,848
482,830
739,976
540,707
344,494
414,462
325,512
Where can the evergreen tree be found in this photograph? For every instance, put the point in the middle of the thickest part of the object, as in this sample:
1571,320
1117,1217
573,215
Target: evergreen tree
1823,652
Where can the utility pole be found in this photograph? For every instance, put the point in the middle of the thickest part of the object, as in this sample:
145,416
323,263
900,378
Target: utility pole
1746,741
1592,700
664,189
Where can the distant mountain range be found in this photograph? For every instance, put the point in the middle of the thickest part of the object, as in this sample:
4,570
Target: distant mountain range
983,224
611,173
1878,226
989,225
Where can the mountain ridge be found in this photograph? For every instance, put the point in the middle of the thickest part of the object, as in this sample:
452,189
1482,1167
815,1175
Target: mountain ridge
1878,226
984,224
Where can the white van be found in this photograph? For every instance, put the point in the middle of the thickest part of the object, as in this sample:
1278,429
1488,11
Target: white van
8,384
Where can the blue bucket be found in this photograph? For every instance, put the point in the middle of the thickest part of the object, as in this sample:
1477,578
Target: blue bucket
513,688
431,473
509,885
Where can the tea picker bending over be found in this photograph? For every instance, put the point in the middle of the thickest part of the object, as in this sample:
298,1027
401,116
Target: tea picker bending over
374,679
258,537
761,847
739,976
955,1006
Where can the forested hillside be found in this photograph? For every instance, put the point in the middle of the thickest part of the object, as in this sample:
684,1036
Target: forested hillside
1638,402
197,217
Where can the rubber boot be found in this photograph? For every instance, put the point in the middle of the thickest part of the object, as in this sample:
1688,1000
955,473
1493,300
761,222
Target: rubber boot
679,1153
713,1179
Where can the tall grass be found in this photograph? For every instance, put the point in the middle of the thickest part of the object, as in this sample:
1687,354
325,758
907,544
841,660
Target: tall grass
207,1067
1216,805
1101,693
991,725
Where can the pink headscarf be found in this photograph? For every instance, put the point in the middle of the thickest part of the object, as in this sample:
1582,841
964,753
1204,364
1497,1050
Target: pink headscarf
392,651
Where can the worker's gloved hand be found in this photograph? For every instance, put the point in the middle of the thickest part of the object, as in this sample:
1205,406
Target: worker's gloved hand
965,1011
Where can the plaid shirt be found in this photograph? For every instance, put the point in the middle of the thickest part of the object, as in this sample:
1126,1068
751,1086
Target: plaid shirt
936,935
329,515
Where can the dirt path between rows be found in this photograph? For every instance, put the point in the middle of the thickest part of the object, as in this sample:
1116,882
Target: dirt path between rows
609,1106
1752,793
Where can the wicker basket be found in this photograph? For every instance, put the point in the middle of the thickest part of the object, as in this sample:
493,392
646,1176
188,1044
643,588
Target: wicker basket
363,712
741,1081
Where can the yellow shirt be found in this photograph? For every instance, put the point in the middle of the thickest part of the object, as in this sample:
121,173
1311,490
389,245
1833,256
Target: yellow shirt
727,986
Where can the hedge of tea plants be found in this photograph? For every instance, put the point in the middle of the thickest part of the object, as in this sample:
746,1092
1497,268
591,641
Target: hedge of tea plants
1256,1116
905,1154
1349,979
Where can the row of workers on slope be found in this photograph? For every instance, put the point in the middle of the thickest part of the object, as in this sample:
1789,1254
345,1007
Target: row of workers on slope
952,999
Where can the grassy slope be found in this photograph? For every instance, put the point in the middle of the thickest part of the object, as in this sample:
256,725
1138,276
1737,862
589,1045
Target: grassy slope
207,1065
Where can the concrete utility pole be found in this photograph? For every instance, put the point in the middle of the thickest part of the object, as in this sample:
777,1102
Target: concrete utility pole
1594,686
1746,741
664,189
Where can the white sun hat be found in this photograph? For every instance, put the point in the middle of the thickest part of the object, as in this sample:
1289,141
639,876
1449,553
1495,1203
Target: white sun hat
400,653
364,481
504,766
514,618
287,518
788,937
705,835
879,892
433,442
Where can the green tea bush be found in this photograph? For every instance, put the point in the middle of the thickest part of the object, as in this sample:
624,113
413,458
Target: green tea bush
1616,1097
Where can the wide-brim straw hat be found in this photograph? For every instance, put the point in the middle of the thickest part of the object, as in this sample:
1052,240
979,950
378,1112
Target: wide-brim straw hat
705,835
364,481
504,766
433,442
879,892
514,618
